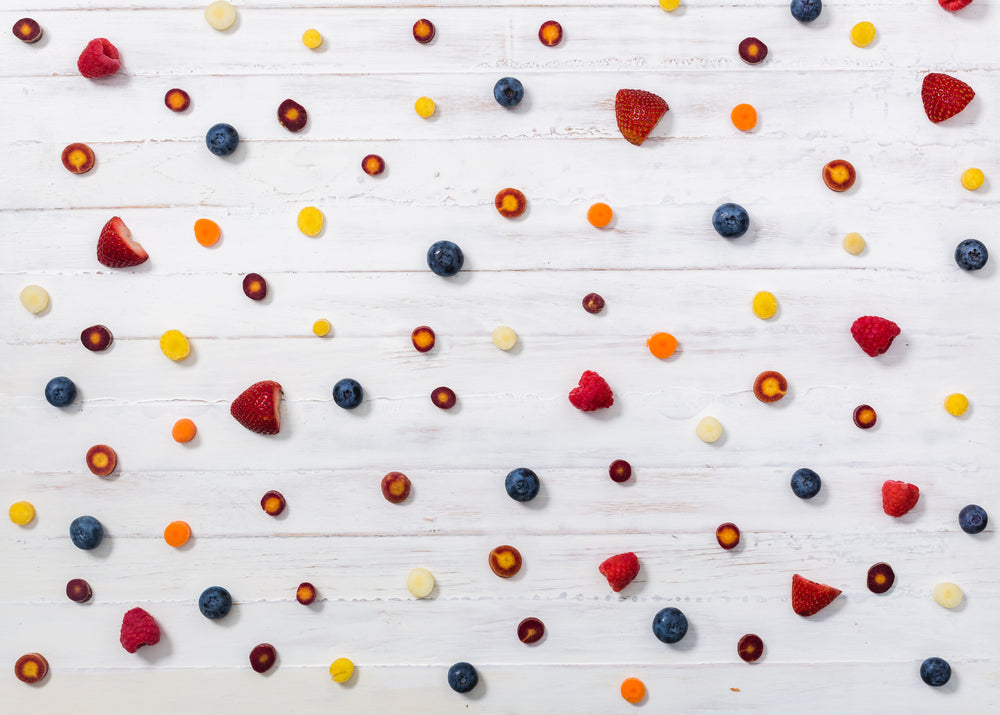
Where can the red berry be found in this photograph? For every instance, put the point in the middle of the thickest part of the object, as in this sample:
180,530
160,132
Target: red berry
874,334
257,407
620,569
115,247
944,96
898,497
810,597
592,393
637,112
139,629
953,5
99,59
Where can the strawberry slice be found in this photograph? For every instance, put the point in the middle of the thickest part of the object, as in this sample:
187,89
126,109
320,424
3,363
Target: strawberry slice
944,96
115,247
257,408
810,597
637,112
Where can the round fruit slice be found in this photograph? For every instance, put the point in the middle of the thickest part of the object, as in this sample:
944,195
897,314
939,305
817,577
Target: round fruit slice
292,115
31,667
620,471
752,51
770,386
443,397
273,503
262,657
78,158
254,286
880,577
423,31
177,100
78,590
728,535
510,203
593,303
530,630
174,345
750,647
373,165
101,460
505,561
839,175
864,416
96,338
395,487
305,593
420,582
422,338
550,33
947,595
27,30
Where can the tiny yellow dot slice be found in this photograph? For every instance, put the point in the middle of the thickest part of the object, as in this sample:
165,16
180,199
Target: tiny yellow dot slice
863,34
670,5
341,670
424,107
956,404
21,513
310,221
322,327
709,429
765,305
312,39
504,338
34,298
854,243
973,178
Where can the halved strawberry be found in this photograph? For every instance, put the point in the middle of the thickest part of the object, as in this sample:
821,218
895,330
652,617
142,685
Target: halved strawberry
115,247
257,408
637,112
944,96
810,597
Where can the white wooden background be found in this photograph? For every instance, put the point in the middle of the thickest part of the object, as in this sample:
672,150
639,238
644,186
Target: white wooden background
660,266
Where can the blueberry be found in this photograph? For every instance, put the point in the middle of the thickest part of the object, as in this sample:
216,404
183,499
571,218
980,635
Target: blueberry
445,258
806,483
347,393
222,139
462,677
971,255
521,484
731,220
670,625
215,602
806,10
972,519
508,92
935,671
60,391
86,532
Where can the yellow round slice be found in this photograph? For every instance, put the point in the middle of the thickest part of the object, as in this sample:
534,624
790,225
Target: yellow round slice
21,513
34,298
312,39
956,404
310,221
420,582
174,345
854,243
504,338
947,595
765,305
341,670
709,430
863,34
220,15
973,178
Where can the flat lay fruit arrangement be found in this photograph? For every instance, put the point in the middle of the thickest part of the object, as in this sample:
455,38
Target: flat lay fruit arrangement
509,358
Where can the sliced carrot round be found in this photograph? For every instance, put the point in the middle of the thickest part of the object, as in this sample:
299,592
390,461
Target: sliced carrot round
184,430
662,345
744,117
177,533
207,232
633,690
599,215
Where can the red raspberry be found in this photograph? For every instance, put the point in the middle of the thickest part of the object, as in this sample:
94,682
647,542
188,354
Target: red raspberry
139,629
593,393
98,59
953,5
898,497
620,569
874,334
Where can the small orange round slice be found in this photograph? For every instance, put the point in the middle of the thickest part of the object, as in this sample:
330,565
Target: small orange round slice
78,158
505,561
510,203
728,535
599,215
102,460
839,175
177,533
550,33
770,386
662,345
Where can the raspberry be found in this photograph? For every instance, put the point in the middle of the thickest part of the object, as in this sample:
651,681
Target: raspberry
620,569
139,629
593,393
898,497
874,334
99,59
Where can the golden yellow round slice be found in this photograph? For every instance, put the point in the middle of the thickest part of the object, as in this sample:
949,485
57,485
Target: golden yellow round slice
312,39
765,305
709,430
862,34
322,327
174,345
670,5
973,178
504,338
854,243
341,670
956,404
310,221
420,582
947,595
424,107
21,513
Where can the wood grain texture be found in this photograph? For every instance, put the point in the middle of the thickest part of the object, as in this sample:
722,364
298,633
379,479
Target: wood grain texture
660,265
